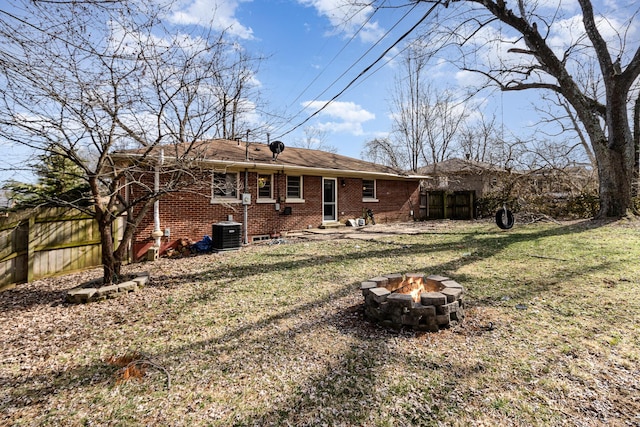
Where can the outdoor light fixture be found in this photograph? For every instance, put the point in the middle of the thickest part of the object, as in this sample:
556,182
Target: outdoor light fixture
343,182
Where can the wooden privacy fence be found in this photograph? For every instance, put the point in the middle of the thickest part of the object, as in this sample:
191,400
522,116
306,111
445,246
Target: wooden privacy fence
46,242
447,205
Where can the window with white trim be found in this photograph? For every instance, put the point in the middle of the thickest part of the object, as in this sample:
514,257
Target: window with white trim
368,188
294,187
265,187
224,185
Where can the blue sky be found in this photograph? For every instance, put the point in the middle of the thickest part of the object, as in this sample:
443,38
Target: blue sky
309,48
313,51
310,44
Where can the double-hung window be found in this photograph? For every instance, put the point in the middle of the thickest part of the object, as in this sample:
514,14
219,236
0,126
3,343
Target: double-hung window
294,188
368,189
265,187
224,186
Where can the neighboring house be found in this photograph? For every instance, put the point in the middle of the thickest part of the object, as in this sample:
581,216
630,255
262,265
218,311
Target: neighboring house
454,186
5,200
462,175
563,183
270,195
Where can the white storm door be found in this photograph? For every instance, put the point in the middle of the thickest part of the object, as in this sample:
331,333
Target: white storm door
329,199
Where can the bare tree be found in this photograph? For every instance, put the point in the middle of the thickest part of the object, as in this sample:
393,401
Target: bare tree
384,152
426,121
481,141
443,117
533,61
568,123
84,80
315,139
409,129
236,93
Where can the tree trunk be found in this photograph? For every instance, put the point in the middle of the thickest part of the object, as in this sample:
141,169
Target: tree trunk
617,160
131,225
635,188
111,266
616,172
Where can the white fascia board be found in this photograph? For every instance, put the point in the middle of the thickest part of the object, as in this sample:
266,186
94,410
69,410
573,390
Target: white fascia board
305,170
291,169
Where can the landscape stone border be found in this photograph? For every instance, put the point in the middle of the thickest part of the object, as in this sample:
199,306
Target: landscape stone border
440,307
92,291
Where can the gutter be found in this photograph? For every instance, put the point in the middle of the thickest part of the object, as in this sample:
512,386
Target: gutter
248,165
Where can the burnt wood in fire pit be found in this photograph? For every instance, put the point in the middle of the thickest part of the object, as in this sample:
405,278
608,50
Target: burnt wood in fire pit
424,303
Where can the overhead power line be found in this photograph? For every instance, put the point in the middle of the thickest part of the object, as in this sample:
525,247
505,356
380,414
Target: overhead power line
352,65
360,29
363,72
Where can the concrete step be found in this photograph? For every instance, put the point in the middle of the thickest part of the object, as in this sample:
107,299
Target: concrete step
335,224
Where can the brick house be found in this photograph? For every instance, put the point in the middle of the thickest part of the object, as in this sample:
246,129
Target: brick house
269,194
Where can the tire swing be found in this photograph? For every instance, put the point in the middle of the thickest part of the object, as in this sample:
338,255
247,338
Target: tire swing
503,214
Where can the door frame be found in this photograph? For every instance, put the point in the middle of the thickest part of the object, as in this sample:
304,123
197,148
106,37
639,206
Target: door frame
335,199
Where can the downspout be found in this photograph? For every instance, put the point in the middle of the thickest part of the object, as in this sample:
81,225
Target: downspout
245,208
157,233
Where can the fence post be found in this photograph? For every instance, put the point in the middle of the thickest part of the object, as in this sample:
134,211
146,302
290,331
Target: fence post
472,204
31,254
445,205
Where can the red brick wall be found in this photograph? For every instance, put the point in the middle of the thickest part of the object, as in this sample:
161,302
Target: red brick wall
396,199
191,214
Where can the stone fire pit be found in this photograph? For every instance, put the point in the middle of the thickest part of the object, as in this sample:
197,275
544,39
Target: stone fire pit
424,303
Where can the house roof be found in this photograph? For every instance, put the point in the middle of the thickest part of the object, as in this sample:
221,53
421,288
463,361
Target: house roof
458,166
258,156
5,201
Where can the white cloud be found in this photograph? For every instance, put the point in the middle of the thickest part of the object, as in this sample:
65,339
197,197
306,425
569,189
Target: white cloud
565,33
348,17
219,14
568,32
371,32
469,79
565,5
344,117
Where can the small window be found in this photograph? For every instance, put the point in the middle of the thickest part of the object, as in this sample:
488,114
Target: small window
225,185
264,187
368,189
294,187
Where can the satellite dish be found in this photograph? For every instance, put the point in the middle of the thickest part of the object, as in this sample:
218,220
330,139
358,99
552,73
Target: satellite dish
276,148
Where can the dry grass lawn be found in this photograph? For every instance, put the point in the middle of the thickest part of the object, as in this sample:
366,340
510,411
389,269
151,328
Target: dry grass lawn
273,335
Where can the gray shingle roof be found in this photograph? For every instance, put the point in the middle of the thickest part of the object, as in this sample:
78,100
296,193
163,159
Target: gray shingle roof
458,166
241,153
